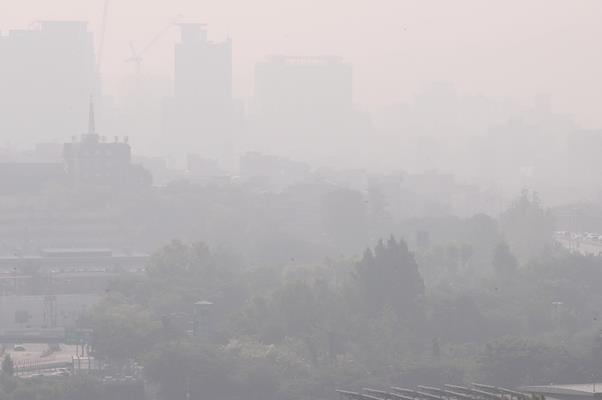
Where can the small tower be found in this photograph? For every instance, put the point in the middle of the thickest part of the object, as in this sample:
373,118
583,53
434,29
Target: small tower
91,135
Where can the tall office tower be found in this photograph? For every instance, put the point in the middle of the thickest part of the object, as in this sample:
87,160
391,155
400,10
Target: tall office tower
308,90
46,75
200,116
301,103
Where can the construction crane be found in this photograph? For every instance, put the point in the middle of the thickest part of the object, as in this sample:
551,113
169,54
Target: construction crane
103,28
137,57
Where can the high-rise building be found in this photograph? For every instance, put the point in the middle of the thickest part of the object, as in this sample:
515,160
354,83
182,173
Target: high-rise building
304,104
46,75
303,89
200,116
203,71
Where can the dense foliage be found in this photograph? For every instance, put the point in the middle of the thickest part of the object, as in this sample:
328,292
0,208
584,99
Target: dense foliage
461,305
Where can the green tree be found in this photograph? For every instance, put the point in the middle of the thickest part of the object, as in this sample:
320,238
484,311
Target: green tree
189,368
8,366
504,262
466,253
527,226
389,277
83,387
515,361
122,331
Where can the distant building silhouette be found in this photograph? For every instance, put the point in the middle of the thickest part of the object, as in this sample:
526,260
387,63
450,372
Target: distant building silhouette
201,114
63,195
303,104
204,168
46,74
92,160
203,70
29,178
308,90
273,171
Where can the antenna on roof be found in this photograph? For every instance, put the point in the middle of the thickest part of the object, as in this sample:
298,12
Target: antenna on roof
91,121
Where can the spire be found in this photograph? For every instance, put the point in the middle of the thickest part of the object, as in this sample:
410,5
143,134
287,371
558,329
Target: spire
91,122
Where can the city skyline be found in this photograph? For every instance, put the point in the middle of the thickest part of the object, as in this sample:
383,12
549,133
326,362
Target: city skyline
300,200
391,59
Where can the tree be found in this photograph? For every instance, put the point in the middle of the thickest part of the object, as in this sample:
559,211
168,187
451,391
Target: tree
8,366
481,233
515,361
504,262
436,348
527,226
389,277
83,387
466,253
122,331
189,368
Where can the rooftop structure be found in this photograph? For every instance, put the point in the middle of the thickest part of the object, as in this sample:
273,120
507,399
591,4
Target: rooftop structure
93,160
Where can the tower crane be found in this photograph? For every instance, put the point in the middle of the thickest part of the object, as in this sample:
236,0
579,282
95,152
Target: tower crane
137,57
103,28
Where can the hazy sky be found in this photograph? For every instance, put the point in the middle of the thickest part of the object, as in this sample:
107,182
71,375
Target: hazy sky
511,48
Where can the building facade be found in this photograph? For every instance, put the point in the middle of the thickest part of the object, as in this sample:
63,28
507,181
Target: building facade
46,74
201,116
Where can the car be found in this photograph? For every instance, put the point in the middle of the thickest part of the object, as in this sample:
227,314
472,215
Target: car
19,347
